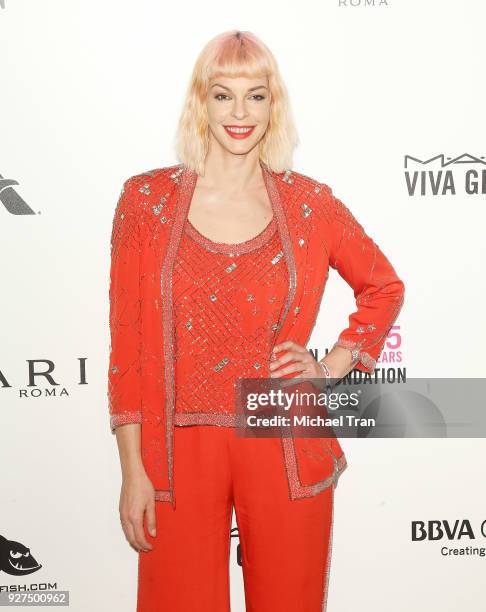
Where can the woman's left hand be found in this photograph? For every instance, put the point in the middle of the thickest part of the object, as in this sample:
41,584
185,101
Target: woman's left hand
305,364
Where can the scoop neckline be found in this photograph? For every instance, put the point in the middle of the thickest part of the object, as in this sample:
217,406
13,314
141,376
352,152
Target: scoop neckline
232,248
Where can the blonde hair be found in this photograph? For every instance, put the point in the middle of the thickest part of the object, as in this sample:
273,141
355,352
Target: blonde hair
235,54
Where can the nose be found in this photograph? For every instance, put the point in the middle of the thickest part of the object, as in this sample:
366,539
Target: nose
239,109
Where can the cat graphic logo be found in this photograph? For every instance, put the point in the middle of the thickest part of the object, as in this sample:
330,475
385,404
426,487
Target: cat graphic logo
11,199
15,558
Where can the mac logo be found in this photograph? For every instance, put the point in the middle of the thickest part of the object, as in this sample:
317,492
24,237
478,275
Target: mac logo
12,201
444,175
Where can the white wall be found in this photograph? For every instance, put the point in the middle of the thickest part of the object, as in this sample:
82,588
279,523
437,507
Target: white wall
89,95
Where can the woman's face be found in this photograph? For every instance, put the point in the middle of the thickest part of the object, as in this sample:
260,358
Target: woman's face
238,112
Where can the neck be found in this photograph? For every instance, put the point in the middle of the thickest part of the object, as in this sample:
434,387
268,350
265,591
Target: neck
227,171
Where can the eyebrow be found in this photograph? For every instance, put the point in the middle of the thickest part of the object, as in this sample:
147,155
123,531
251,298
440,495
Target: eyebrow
228,89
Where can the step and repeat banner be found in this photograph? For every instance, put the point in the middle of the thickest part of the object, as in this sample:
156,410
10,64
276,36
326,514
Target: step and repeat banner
388,99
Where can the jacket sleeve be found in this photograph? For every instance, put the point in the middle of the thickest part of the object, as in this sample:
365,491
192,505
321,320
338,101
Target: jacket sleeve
124,386
378,291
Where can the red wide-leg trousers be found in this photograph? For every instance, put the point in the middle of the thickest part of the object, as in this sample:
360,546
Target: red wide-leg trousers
285,545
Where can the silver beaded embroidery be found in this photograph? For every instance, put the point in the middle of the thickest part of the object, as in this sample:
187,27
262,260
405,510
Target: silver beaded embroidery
196,270
364,357
175,175
297,490
124,418
157,208
287,177
306,210
145,189
327,569
221,364
220,419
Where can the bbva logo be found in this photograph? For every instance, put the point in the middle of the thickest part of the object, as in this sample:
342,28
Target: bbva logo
439,530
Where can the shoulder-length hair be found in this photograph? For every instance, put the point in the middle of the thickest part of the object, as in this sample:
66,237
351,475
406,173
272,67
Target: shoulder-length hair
235,54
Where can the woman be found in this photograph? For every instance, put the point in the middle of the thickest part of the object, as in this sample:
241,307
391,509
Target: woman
218,268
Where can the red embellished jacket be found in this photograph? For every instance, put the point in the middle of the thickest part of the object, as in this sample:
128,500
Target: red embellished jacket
317,231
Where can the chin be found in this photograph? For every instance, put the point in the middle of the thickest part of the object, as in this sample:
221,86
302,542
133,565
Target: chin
241,147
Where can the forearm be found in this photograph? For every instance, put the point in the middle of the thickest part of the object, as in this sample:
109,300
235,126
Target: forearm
339,361
128,438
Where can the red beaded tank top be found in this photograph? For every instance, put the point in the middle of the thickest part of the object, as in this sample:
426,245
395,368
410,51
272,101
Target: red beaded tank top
222,332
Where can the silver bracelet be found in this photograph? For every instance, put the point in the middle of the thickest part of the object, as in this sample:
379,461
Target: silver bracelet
327,374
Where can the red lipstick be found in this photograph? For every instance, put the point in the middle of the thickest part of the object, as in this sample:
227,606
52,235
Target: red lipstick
239,131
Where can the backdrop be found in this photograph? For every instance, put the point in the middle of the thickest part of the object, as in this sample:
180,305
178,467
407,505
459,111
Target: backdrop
388,98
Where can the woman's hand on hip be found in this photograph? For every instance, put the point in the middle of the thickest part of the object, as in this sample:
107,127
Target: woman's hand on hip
304,366
137,499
